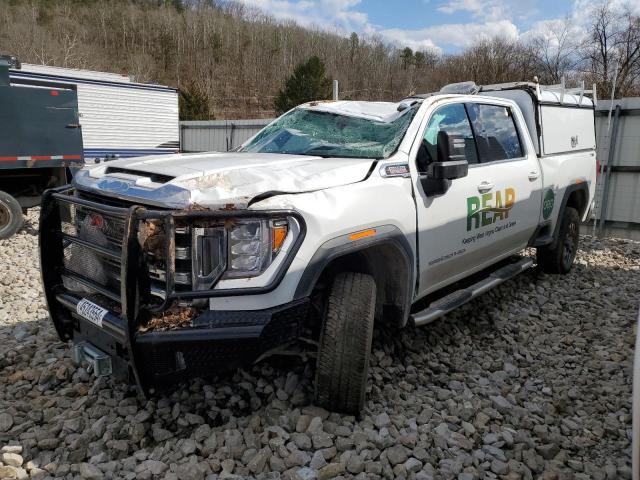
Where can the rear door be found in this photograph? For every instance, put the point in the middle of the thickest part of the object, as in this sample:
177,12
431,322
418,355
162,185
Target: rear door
505,205
487,215
39,126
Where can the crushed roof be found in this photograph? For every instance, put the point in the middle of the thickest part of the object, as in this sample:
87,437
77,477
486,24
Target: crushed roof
376,111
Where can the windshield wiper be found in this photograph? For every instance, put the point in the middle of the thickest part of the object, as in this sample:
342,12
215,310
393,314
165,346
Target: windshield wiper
321,148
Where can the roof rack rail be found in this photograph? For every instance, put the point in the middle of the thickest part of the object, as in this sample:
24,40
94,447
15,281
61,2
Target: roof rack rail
470,88
563,90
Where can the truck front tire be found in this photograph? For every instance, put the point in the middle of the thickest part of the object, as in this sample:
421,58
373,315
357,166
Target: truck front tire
560,258
11,218
345,343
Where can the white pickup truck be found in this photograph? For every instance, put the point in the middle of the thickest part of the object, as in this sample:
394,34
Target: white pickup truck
336,215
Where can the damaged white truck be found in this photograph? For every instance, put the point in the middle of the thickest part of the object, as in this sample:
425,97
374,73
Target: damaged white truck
335,216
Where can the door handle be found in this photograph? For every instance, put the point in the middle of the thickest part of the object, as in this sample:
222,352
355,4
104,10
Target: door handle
484,187
533,176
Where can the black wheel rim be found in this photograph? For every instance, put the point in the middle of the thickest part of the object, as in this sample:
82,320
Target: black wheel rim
5,215
570,244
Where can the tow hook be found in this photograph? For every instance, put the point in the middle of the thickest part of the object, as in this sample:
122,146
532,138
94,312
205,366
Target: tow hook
99,362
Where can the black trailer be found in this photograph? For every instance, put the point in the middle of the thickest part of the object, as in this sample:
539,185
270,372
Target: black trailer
40,141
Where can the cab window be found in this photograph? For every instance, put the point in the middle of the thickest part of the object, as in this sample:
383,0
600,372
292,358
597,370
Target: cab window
453,121
495,131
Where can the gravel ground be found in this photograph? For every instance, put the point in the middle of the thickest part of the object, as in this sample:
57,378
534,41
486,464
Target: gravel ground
533,380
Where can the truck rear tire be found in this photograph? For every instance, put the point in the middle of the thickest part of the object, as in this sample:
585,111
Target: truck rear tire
11,218
560,258
345,343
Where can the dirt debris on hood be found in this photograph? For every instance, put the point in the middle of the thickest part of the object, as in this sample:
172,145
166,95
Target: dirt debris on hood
172,319
196,207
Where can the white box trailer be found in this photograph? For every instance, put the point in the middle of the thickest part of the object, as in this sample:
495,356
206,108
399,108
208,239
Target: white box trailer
119,118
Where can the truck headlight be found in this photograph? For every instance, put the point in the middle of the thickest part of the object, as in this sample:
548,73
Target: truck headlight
252,246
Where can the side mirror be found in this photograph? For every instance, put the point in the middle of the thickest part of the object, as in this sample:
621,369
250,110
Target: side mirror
448,170
452,164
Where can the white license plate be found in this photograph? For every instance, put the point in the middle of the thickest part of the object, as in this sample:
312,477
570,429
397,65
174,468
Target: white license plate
92,312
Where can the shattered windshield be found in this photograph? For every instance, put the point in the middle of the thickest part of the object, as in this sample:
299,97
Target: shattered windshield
310,132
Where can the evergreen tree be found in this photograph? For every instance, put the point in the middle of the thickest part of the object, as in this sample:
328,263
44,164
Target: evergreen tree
307,83
354,43
406,55
194,104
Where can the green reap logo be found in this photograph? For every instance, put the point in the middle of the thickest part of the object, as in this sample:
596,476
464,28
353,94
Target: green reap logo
547,203
488,208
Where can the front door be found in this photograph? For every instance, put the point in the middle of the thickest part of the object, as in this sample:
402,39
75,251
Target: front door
487,215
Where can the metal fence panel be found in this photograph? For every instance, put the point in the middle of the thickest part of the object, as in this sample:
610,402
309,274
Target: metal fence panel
218,135
622,202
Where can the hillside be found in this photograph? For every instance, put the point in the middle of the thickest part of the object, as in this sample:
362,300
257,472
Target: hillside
233,60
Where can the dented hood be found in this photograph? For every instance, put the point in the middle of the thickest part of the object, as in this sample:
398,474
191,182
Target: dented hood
218,179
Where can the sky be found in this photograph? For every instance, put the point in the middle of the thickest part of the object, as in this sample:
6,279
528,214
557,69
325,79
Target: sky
442,25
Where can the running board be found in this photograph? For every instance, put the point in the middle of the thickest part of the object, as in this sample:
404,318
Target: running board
460,297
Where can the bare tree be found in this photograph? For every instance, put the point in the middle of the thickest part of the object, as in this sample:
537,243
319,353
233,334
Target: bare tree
614,50
557,50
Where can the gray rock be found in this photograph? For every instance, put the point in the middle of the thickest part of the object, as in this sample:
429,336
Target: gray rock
160,434
188,446
303,423
330,471
317,460
413,465
306,473
276,464
355,464
154,467
548,451
259,461
202,433
302,441
315,425
90,472
382,420
396,454
498,467
6,422
501,404
321,440
189,471
297,459
314,411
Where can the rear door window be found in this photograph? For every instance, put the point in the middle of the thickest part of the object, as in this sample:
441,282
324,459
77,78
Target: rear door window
495,131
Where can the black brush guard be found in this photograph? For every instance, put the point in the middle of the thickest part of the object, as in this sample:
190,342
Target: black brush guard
218,340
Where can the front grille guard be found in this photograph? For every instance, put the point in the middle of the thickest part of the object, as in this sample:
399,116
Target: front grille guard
133,287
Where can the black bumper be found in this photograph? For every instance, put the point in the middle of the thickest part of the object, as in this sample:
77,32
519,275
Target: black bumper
218,341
